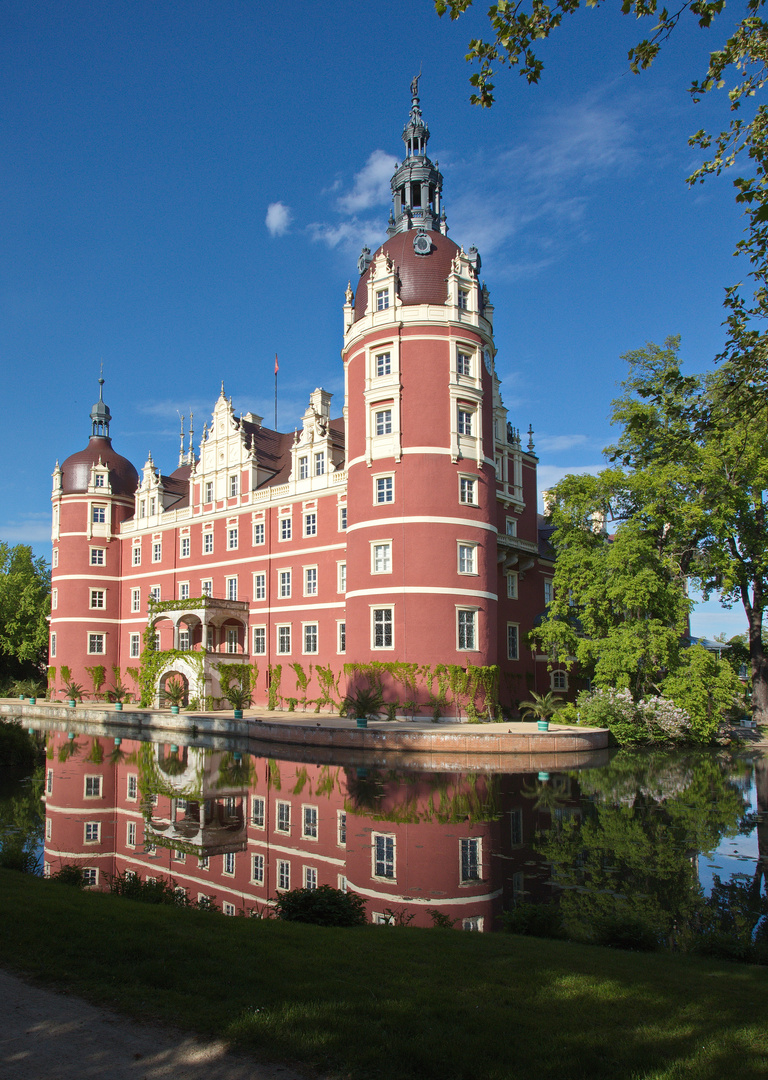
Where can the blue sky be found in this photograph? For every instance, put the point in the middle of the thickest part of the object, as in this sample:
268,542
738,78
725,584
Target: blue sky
186,187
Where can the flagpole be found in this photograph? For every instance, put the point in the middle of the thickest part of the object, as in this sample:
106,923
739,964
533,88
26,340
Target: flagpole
276,371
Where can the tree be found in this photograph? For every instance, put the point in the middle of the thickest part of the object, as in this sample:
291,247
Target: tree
25,586
685,498
740,65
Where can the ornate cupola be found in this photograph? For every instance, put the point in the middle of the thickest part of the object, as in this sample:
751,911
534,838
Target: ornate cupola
417,184
100,414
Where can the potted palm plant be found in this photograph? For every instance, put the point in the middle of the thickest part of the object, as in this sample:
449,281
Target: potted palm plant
118,692
239,697
174,693
542,708
363,704
74,692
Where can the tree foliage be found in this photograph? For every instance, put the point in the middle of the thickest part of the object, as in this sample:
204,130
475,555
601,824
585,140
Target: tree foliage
682,502
25,585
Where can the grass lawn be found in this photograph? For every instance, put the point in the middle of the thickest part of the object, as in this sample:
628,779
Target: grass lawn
385,1002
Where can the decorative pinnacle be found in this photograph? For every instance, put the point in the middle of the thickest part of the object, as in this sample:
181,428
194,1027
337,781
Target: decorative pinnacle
530,437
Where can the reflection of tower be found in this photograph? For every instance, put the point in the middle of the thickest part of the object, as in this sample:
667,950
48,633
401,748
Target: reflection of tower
92,495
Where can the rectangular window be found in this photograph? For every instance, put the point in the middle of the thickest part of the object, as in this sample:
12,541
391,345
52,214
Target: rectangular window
130,836
464,422
513,641
284,578
382,558
310,637
258,533
90,876
53,643
208,542
549,592
463,363
135,649
512,585
55,557
208,497
98,556
97,598
260,640
383,422
136,560
472,923
467,491
232,639
259,586
99,480
466,635
382,628
135,599
54,599
204,863
310,581
95,644
383,856
183,590
283,817
464,299
320,463
310,524
184,551
257,869
467,562
133,786
310,877
184,640
382,299
99,515
151,506
232,538
157,551
92,832
285,528
257,811
385,489
229,862
303,468
341,882
231,588
559,680
283,874
383,364
341,828
228,908
206,587
93,787
154,592
516,827
342,637
233,486
342,518
470,859
511,527
284,639
310,822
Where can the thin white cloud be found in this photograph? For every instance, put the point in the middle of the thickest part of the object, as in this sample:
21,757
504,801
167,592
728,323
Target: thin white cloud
278,219
371,187
351,234
556,444
29,531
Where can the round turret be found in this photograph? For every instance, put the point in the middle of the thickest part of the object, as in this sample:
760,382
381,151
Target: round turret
76,470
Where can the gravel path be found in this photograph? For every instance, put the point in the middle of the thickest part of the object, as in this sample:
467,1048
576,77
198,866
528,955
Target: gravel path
50,1036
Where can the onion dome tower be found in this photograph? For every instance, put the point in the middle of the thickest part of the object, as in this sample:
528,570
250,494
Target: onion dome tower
420,394
92,496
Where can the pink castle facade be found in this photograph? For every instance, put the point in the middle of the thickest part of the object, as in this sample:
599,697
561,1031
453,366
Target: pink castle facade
401,533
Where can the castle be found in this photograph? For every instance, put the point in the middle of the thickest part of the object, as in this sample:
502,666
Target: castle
399,538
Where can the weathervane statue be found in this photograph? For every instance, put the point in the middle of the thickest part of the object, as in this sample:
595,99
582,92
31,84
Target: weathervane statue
415,85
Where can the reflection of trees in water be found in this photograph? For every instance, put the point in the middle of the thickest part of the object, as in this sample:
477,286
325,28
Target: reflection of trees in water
442,798
634,857
22,822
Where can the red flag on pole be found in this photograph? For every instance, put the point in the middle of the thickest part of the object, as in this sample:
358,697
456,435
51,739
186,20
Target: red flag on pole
276,365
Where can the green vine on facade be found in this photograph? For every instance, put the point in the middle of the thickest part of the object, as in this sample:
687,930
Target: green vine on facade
98,675
274,675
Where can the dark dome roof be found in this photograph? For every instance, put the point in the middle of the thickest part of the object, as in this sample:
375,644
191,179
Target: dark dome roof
422,277
76,470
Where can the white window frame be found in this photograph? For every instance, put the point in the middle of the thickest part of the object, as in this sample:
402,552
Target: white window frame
513,586
310,877
208,542
464,363
259,640
468,487
382,364
92,832
319,463
282,817
382,421
284,583
231,587
465,421
558,681
342,518
383,856
259,533
383,485
549,591
98,556
473,846
513,635
184,590
234,485
310,822
466,620
283,875
304,467
341,577
135,600
257,869
258,811
98,600
285,529
157,551
96,644
136,554
341,636
232,537
134,646
283,633
185,547
382,299
310,523
390,623
381,556
310,581
466,555
260,585
92,786
309,638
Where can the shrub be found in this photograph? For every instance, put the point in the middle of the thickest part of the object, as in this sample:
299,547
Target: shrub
324,906
70,874
626,932
707,688
654,719
534,920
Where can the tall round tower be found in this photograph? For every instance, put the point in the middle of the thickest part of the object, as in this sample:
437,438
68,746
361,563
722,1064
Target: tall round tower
92,495
418,358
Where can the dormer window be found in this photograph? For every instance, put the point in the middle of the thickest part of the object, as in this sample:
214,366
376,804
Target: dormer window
320,464
233,486
303,468
382,299
99,480
208,491
142,507
464,299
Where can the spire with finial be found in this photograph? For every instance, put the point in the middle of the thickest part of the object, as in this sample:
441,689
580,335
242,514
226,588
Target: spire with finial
181,441
530,437
100,414
191,450
417,184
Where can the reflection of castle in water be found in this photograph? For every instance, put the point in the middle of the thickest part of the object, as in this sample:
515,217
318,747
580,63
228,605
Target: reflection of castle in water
237,829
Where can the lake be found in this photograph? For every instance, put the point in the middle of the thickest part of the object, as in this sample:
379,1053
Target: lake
671,841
